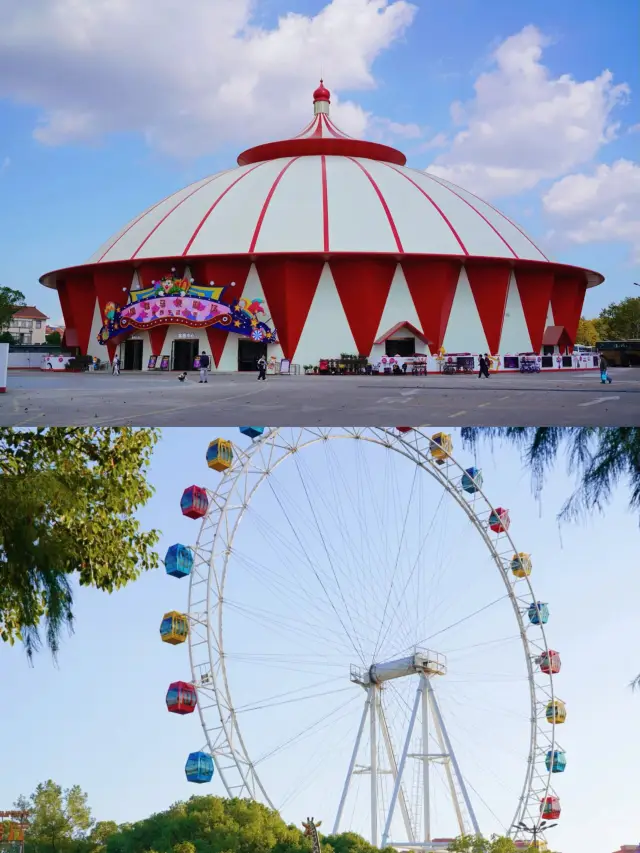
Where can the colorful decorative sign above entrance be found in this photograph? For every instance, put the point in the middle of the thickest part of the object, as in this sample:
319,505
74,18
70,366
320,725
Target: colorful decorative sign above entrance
178,300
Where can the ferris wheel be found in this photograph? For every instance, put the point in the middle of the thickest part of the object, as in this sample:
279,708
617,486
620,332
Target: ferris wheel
364,638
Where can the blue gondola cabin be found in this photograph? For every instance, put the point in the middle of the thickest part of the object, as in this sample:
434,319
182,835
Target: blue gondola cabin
556,761
181,698
521,565
441,447
472,480
538,613
550,662
174,628
199,768
178,561
220,454
194,502
252,432
556,711
499,520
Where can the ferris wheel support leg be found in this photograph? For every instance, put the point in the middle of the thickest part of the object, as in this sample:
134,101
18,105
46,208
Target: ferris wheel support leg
393,764
403,761
373,714
452,758
352,764
425,765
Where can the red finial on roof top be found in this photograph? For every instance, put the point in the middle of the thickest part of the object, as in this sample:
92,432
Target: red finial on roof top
321,94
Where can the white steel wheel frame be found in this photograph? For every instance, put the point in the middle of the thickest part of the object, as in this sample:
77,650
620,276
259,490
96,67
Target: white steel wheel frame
227,505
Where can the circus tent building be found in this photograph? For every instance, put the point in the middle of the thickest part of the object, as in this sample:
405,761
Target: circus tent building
313,247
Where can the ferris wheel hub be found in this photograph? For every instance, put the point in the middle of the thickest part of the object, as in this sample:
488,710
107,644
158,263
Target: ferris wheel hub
421,662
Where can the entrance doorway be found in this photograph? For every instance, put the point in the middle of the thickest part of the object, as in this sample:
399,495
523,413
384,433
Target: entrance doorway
184,354
249,352
404,347
132,355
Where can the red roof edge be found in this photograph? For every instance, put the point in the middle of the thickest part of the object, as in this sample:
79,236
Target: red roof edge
405,324
30,312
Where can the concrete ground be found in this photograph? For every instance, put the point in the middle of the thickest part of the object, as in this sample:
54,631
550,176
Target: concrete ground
142,399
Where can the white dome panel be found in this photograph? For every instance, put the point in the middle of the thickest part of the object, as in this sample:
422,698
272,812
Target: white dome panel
230,226
357,220
296,206
522,245
420,227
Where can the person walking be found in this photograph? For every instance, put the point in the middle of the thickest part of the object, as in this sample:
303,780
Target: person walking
204,366
262,368
487,364
116,365
604,371
482,367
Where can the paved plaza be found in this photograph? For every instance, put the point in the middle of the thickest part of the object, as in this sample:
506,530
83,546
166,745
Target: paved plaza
141,399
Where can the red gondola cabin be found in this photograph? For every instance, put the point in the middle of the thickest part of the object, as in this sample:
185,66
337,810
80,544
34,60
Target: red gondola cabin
550,808
499,520
194,502
181,698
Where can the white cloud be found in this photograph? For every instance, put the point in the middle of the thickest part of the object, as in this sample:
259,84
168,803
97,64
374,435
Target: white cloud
523,125
190,76
603,206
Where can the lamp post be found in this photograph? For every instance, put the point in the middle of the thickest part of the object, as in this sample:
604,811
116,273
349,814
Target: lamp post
535,830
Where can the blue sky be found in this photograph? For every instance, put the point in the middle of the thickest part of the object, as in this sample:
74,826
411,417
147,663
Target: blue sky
101,116
99,718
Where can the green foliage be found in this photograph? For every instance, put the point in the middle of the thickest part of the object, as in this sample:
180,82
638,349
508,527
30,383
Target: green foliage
57,817
54,339
6,338
587,334
68,499
9,300
620,320
475,844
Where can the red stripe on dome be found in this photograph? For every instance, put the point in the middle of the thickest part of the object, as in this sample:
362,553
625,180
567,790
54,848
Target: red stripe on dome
307,128
266,204
428,197
175,207
383,202
335,131
129,227
325,204
215,204
481,215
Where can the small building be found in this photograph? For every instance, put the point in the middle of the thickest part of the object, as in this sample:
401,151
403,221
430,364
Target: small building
28,326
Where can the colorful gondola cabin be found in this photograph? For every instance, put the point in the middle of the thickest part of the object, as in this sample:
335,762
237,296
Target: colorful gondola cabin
220,454
178,561
556,761
521,565
538,613
181,698
174,628
472,480
194,502
252,432
550,808
556,711
499,520
550,662
199,768
404,429
441,447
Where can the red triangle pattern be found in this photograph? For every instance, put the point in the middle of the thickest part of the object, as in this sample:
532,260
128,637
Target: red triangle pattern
432,285
567,299
363,287
151,271
65,304
289,287
221,271
535,287
490,287
82,296
157,338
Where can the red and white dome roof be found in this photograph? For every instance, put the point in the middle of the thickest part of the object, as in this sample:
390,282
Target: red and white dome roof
320,192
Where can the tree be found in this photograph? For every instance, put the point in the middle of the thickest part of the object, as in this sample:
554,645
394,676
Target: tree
601,457
476,844
7,338
587,334
621,320
53,339
100,833
9,300
57,817
68,499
